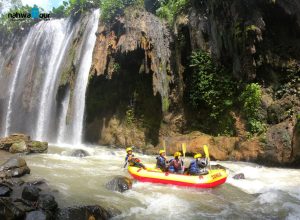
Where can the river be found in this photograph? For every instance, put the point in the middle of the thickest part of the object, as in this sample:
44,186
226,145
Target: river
266,193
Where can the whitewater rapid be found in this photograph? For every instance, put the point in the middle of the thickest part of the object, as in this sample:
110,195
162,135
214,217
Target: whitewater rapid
266,193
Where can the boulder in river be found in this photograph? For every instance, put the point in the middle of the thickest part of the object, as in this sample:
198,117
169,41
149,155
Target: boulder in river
4,190
20,143
239,176
31,193
37,215
119,183
47,202
7,142
9,210
14,167
79,153
37,146
85,212
18,147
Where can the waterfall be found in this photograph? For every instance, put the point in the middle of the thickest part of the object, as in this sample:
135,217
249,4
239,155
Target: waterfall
13,86
62,128
32,104
60,42
82,79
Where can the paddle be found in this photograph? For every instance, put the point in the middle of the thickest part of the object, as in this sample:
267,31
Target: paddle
183,145
164,145
205,148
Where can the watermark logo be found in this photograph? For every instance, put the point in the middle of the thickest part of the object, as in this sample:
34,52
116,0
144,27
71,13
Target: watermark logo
34,14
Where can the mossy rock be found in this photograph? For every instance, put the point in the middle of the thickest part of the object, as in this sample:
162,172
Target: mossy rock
19,147
37,147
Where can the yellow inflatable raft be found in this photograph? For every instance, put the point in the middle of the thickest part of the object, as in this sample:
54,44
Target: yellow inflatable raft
214,177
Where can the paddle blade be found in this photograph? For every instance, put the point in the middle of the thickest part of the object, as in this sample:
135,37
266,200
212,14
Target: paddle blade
164,145
183,149
205,148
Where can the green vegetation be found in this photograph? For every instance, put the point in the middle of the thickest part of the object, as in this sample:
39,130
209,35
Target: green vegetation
165,104
251,101
74,7
116,67
169,9
61,11
8,25
130,115
211,87
111,8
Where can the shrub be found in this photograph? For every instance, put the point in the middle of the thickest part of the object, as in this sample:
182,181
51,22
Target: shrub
211,87
169,9
112,8
251,101
74,8
7,25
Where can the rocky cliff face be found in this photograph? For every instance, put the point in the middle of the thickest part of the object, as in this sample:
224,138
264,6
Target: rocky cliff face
129,88
140,76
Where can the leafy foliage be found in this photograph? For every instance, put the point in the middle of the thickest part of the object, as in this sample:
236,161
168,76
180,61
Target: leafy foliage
8,25
251,101
111,8
169,9
74,7
61,11
211,87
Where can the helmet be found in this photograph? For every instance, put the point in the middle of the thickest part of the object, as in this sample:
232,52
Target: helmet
197,156
128,149
162,151
177,154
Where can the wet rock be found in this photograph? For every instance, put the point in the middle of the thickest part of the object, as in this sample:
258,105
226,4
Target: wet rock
5,190
79,153
37,147
37,215
19,147
239,176
7,142
296,143
281,109
84,212
278,144
8,210
119,183
47,202
23,205
14,167
30,193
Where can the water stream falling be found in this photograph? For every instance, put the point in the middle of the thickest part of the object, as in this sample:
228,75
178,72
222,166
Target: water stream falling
60,41
31,104
82,79
14,81
62,119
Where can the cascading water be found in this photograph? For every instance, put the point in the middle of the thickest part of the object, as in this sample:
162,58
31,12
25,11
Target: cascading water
62,128
13,86
61,41
30,103
82,79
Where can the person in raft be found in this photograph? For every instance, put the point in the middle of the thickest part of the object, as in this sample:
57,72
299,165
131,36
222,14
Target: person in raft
161,161
197,166
131,160
176,164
